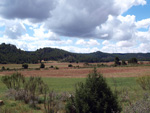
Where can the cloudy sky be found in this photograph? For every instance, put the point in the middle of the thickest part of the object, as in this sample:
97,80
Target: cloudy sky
80,26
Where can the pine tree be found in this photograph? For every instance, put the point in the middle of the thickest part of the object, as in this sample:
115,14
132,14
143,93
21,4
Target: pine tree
93,96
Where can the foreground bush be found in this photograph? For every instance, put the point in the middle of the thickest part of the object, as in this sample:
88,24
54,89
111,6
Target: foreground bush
14,81
93,97
25,90
139,106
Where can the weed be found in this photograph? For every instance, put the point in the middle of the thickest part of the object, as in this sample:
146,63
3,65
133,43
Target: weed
144,82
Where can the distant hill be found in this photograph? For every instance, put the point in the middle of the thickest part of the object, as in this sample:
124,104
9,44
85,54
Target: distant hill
10,54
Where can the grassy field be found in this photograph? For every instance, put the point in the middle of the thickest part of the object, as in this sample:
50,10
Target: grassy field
68,84
125,86
120,79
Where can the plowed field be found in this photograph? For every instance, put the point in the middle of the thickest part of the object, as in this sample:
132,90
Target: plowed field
65,71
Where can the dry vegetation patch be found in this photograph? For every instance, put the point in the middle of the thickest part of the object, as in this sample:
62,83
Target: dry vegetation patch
65,71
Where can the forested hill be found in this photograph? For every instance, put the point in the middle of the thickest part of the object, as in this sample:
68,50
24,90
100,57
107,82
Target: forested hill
10,54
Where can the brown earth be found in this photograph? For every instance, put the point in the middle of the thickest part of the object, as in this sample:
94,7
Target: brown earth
64,71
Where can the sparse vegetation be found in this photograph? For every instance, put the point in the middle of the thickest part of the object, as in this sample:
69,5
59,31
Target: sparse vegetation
144,82
14,81
3,68
25,90
56,68
129,90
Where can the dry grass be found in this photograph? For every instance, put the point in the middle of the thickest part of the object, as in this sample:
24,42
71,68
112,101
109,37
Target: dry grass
65,71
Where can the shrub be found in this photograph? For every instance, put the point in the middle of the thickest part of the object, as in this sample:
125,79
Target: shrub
33,88
26,90
93,97
139,106
123,63
54,102
51,67
102,65
42,65
144,82
15,81
133,61
70,65
3,68
37,68
86,64
117,61
56,68
25,65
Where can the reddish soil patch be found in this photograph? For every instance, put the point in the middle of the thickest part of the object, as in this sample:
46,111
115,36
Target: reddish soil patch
83,72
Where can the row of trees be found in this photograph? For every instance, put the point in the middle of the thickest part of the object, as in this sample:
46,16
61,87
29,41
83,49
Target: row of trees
25,65
10,54
130,61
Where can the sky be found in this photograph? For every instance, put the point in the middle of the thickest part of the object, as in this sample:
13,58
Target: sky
79,26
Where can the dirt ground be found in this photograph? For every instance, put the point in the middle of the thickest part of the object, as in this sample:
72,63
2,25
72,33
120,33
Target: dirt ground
65,71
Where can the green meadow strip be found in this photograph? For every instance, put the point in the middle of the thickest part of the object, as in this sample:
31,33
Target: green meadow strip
68,84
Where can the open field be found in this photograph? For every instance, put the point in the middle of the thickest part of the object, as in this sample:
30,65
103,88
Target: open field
68,84
64,79
125,86
75,72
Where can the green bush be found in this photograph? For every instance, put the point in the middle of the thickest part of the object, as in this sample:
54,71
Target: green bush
93,97
25,66
26,90
117,61
123,63
133,61
51,67
42,65
56,68
14,81
33,88
3,68
144,82
70,65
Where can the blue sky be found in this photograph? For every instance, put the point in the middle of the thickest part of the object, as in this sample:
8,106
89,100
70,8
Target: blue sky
80,26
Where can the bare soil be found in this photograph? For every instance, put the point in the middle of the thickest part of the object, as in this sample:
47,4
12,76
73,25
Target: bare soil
65,71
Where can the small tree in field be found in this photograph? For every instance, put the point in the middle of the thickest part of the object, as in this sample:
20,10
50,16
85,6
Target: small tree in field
117,61
133,61
25,66
123,63
93,97
42,65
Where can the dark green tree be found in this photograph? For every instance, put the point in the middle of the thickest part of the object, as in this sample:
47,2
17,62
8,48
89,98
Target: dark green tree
42,65
133,61
25,65
93,96
123,63
117,61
